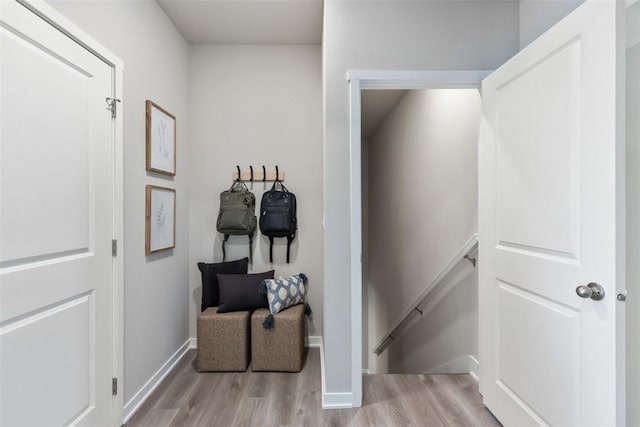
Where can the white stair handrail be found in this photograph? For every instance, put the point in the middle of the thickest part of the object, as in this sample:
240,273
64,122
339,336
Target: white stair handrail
416,311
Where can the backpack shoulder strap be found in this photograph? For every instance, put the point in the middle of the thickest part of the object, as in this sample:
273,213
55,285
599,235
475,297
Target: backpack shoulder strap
271,249
224,252
289,240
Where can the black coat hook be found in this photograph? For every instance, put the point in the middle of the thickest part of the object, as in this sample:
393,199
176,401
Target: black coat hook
251,172
264,174
277,174
238,167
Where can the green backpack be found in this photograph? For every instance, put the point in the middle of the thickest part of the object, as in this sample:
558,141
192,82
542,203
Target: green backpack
237,214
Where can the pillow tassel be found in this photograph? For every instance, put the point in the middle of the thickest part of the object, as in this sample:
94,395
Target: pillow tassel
262,288
268,322
303,277
307,310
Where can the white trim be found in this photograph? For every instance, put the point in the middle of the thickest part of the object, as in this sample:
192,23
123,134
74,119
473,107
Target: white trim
331,400
474,370
417,79
633,32
356,248
462,365
67,27
313,341
323,382
143,394
118,262
366,372
337,400
367,79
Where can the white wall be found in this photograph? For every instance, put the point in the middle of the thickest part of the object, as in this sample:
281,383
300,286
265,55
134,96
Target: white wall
257,105
537,16
399,35
422,207
633,215
156,312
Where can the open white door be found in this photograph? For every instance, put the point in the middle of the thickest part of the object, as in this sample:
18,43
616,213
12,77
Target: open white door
550,220
56,225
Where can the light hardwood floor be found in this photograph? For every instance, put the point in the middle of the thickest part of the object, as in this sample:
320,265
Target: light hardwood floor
189,398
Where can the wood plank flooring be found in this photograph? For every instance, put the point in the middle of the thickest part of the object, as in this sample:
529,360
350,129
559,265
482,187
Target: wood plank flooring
189,398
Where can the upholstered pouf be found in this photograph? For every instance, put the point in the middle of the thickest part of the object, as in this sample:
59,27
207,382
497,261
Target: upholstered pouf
223,341
280,348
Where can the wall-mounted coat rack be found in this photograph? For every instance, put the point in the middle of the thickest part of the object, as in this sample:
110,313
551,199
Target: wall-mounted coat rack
260,174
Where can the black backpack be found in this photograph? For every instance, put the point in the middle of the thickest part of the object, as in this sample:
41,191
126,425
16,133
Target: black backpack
278,216
237,214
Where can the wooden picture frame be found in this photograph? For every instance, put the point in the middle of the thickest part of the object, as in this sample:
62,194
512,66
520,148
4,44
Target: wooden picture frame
161,139
160,221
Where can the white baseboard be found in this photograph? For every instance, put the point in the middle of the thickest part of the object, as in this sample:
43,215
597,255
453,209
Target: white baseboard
475,368
312,341
462,365
138,399
337,400
332,400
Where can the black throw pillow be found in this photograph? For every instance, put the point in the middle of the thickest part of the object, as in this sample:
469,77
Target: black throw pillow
239,292
210,281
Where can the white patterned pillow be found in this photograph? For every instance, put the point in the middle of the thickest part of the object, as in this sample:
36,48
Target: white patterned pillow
284,292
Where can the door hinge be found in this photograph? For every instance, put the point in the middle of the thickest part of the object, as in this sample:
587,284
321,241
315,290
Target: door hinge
114,386
111,106
114,247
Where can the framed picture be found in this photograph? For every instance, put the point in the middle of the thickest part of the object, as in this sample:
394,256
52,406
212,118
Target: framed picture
160,219
161,139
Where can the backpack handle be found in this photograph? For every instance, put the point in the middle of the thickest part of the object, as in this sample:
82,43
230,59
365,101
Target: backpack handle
244,187
282,187
239,181
277,181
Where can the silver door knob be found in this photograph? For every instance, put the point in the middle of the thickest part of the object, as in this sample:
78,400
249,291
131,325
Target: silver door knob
592,290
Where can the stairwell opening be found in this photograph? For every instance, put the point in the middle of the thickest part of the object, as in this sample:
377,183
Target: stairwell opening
419,206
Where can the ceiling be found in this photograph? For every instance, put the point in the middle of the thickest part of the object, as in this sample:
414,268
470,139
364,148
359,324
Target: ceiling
251,21
268,22
247,21
375,106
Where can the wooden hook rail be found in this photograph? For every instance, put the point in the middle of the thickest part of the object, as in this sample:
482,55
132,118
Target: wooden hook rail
258,175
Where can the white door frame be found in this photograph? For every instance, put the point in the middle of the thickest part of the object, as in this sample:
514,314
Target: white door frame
64,25
360,80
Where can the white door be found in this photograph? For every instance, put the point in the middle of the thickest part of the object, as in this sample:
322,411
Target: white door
550,217
56,225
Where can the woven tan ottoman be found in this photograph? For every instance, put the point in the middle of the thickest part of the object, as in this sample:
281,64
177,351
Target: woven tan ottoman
280,348
223,341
